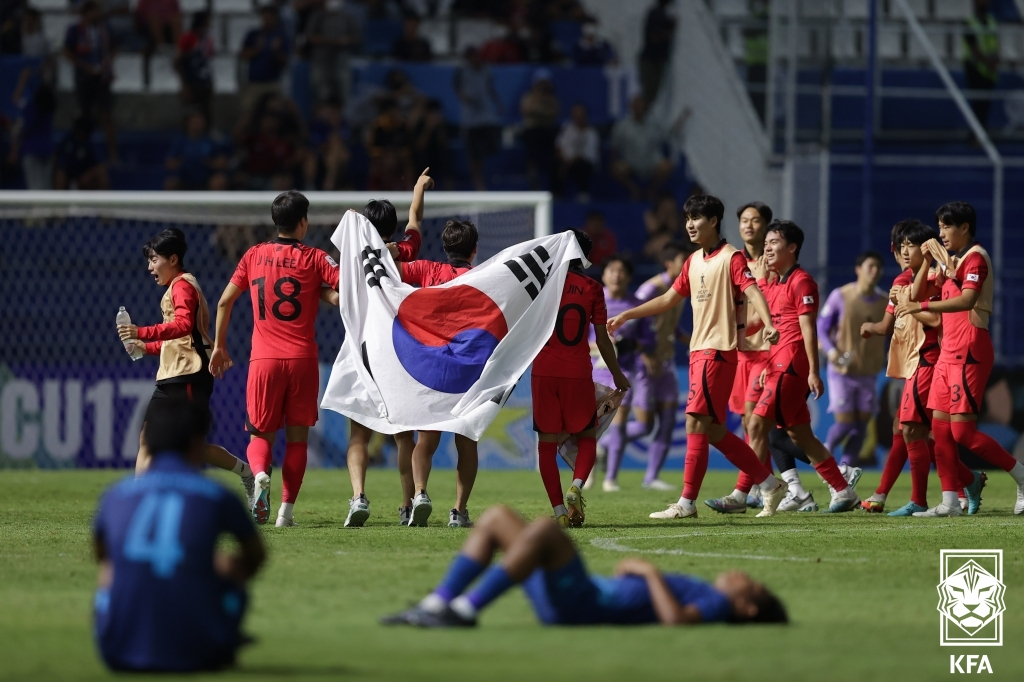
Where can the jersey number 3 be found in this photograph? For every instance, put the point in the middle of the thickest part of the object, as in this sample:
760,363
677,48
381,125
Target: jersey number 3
153,536
282,297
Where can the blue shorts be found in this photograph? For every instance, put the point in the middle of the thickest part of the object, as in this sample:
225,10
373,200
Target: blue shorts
565,596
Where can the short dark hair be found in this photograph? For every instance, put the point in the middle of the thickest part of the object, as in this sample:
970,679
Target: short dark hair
170,242
705,206
382,216
789,231
912,230
957,213
619,258
762,208
673,250
200,19
459,238
770,609
868,255
585,242
172,426
288,210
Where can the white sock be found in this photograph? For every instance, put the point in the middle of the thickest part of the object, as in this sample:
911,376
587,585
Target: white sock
285,512
462,606
578,482
769,484
1018,473
792,479
560,510
950,499
843,469
242,469
879,496
263,480
433,603
738,495
688,505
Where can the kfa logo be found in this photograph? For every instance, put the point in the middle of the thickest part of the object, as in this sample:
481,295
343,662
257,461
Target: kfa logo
971,594
372,268
537,275
969,664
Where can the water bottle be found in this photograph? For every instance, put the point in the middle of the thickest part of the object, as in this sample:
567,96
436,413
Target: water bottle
124,318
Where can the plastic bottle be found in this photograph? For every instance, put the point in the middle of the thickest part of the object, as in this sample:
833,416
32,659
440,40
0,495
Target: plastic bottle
124,318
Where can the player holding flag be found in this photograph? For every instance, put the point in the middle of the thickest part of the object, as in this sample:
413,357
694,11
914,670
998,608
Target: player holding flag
714,278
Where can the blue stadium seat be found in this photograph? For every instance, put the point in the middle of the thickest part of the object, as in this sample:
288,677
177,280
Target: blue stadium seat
380,35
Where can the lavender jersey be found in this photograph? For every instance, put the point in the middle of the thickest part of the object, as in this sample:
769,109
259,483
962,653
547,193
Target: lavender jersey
634,337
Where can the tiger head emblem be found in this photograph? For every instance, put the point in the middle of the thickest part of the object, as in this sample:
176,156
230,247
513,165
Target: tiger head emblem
971,597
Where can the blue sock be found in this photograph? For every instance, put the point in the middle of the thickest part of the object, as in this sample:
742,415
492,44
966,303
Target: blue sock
492,585
461,573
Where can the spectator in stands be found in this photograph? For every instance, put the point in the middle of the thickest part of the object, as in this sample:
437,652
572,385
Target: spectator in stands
605,243
328,155
540,110
564,10
659,32
159,23
390,149
88,46
33,131
481,111
504,48
411,46
333,35
430,8
10,26
270,154
538,45
195,50
430,141
267,50
592,49
33,40
662,223
400,89
196,161
288,17
579,153
77,166
981,57
637,151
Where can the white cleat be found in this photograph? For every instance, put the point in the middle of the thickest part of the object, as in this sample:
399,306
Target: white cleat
798,504
421,509
657,484
249,483
843,501
358,512
457,519
1018,508
939,511
610,486
773,499
404,514
675,511
284,522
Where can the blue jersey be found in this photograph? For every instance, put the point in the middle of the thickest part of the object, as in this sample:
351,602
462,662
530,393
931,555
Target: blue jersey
166,608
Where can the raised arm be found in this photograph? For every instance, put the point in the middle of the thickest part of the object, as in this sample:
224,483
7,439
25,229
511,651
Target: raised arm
655,306
423,183
883,327
219,360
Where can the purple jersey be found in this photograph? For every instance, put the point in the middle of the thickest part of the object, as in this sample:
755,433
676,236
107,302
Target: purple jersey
634,337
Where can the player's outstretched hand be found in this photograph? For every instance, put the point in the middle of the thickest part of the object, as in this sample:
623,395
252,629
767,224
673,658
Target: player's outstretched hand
867,330
425,181
393,250
633,566
219,362
621,382
615,323
127,332
770,334
907,308
814,383
761,379
760,268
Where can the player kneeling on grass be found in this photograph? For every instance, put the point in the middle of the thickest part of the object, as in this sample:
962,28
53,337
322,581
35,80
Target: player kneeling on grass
542,558
168,600
181,342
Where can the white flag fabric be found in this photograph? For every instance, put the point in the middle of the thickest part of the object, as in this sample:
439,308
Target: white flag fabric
442,358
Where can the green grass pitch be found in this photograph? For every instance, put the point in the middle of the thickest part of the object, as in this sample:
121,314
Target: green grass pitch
861,590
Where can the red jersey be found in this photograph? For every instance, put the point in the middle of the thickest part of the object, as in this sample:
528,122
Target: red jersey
186,303
790,296
960,338
429,273
285,278
409,246
929,353
567,352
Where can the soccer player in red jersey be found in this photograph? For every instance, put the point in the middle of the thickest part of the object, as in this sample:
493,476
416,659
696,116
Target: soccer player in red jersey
793,363
713,278
967,355
460,238
384,219
563,387
286,281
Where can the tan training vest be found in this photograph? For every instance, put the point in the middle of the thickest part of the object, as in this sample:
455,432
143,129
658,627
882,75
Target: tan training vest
179,357
982,310
908,335
754,342
867,356
713,301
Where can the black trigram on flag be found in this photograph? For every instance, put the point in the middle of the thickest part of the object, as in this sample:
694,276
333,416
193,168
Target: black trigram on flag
534,273
372,268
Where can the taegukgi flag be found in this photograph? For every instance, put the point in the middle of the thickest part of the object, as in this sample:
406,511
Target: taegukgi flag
442,358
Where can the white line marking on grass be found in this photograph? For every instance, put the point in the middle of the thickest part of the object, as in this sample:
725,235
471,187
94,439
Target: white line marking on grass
613,545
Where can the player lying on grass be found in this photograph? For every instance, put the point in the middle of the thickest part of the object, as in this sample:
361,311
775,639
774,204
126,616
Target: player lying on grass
541,557
168,599
181,342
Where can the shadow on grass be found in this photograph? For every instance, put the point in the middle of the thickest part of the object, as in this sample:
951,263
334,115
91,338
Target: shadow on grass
279,671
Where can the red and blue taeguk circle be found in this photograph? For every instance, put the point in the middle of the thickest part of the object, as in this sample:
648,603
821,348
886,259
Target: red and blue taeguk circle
444,337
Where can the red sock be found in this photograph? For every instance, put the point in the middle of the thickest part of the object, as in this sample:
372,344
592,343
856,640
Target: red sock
742,457
258,454
931,449
696,464
744,482
829,470
294,468
965,475
983,445
585,457
946,455
893,465
920,467
549,471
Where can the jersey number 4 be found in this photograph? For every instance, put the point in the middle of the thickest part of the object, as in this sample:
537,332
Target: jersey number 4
282,298
153,536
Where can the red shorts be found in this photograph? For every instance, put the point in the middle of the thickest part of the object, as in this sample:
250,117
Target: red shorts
913,404
746,387
282,392
958,389
711,379
784,398
563,405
